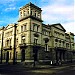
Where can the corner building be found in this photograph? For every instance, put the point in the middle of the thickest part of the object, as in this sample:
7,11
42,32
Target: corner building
30,41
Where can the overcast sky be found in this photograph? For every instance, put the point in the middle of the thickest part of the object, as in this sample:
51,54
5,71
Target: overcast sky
54,11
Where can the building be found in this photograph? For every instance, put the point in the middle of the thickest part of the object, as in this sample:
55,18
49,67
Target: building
31,41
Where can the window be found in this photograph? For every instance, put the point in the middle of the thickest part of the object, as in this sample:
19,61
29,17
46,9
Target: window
56,40
21,28
67,45
33,27
17,31
31,12
35,14
39,15
24,13
59,45
37,28
35,40
23,39
7,42
55,44
16,41
10,33
21,14
24,27
46,47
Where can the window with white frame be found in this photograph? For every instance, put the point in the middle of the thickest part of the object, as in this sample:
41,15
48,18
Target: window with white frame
23,39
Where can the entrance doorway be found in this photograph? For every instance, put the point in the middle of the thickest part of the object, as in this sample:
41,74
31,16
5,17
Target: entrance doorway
7,56
35,51
23,55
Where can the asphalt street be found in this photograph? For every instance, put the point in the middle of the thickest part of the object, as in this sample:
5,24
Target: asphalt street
21,70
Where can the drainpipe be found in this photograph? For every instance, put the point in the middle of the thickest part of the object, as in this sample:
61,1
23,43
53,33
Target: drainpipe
14,50
2,44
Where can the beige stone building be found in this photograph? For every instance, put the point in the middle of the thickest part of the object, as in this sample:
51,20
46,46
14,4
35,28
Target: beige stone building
31,41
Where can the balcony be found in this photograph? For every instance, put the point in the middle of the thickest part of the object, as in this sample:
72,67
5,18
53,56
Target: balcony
60,49
22,45
7,48
36,45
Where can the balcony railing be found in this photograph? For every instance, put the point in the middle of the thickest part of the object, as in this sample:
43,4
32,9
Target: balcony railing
7,48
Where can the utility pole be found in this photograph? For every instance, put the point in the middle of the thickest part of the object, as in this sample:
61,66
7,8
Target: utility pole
14,49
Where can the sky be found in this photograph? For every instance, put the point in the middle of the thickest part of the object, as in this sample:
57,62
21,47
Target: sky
53,11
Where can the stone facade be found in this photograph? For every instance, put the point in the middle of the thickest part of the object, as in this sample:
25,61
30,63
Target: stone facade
31,41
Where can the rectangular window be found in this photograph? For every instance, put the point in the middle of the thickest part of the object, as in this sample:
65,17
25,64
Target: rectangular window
31,12
55,44
23,39
7,42
35,40
46,47
35,14
33,27
24,13
16,42
24,27
21,28
37,28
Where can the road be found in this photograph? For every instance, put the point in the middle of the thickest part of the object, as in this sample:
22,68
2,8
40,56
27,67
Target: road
21,70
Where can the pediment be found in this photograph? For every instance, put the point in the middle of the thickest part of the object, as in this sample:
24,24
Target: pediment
59,26
9,26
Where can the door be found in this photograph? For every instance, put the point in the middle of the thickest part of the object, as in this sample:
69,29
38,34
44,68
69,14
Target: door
7,57
23,55
35,51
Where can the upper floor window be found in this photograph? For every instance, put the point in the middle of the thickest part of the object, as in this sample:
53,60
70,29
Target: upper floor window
23,39
35,40
24,13
56,40
16,41
7,42
46,47
37,28
59,45
35,14
21,14
23,28
56,45
28,11
33,27
67,45
31,12
39,16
